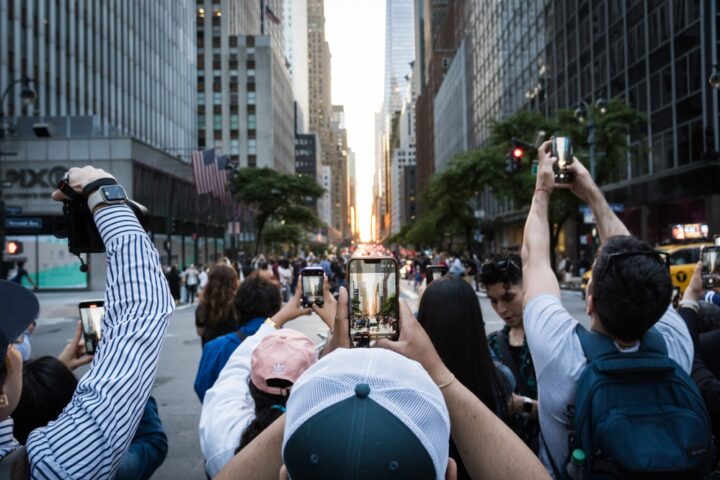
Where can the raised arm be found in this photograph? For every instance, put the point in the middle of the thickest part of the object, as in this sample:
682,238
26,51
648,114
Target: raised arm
474,427
608,224
538,275
95,429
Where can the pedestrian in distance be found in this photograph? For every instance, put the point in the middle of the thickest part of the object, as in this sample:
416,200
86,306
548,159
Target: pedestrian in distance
214,316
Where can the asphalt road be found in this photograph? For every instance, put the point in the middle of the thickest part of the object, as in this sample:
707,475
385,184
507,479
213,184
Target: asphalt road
173,390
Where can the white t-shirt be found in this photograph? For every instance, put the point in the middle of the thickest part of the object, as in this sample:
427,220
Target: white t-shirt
559,360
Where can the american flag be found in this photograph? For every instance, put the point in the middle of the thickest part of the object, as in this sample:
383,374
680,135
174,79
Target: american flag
210,176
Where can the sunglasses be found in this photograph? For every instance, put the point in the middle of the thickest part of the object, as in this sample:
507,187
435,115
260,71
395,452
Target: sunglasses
662,257
500,264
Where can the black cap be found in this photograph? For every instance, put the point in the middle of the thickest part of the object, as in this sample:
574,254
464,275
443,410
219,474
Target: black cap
18,309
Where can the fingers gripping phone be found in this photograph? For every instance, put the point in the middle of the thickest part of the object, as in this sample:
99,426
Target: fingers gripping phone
435,271
711,267
91,314
312,287
563,152
373,299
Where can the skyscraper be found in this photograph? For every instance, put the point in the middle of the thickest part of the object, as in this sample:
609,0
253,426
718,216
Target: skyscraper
399,51
295,24
127,65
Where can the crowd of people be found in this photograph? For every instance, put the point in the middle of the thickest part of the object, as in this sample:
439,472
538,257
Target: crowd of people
635,396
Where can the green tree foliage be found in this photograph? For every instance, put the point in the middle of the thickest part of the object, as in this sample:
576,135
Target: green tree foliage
277,198
446,199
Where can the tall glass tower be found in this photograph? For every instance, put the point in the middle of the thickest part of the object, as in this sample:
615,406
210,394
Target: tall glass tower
399,52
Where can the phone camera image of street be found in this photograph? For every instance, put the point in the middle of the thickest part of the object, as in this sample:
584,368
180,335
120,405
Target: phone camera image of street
373,302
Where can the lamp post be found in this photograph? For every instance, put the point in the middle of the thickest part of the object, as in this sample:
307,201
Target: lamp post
583,113
28,96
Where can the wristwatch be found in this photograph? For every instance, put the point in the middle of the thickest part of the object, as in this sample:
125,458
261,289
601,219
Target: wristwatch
106,195
527,405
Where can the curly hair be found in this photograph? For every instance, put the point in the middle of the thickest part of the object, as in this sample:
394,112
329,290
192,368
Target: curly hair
216,299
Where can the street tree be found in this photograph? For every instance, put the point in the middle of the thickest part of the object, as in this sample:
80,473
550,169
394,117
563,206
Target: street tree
276,197
447,197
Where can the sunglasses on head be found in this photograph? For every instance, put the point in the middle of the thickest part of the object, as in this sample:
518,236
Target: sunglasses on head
662,257
501,264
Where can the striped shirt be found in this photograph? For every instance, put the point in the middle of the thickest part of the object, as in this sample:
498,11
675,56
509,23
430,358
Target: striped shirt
7,441
95,429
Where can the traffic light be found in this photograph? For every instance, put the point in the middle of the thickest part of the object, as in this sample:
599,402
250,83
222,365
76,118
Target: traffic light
514,159
13,247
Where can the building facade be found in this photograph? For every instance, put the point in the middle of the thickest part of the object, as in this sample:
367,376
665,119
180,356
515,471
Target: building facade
295,26
403,164
450,109
130,65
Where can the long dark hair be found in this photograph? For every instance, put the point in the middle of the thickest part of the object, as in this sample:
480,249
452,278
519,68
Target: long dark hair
450,314
265,415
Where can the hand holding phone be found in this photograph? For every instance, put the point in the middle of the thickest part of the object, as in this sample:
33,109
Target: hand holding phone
711,267
561,149
91,314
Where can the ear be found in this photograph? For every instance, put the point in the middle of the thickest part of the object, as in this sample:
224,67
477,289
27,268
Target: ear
283,473
590,305
451,472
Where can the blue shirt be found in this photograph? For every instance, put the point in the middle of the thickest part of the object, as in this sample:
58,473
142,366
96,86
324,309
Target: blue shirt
216,354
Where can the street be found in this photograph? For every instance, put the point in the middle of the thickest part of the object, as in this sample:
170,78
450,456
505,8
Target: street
173,390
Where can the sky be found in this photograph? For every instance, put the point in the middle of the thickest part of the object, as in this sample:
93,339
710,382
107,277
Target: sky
355,31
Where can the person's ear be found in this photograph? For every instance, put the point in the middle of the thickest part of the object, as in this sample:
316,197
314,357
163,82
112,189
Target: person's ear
590,305
451,472
283,473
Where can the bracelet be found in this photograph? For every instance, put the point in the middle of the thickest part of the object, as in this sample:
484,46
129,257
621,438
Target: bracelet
692,304
542,189
269,321
448,383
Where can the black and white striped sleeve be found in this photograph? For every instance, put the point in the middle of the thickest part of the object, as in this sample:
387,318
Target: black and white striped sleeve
94,430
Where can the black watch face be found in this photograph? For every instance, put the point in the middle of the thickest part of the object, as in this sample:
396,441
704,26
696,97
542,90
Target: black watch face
114,193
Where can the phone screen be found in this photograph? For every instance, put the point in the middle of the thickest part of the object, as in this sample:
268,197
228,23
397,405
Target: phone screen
91,314
312,288
711,267
374,308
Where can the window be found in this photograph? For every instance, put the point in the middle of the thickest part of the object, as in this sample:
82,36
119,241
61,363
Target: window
252,122
201,121
217,122
234,122
234,147
251,98
252,147
201,98
217,98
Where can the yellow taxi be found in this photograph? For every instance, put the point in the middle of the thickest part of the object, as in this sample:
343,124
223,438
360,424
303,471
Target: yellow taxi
683,257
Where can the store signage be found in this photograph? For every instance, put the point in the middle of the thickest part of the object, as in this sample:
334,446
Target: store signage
35,177
13,210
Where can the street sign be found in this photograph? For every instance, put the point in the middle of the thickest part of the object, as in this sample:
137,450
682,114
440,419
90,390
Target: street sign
25,223
6,184
534,168
13,210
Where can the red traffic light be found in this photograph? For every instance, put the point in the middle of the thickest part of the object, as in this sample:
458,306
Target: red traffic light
13,248
518,152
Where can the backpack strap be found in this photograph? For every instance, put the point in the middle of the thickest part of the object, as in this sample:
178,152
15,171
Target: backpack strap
594,344
653,341
241,335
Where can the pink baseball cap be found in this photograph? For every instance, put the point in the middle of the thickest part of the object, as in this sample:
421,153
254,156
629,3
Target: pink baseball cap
283,355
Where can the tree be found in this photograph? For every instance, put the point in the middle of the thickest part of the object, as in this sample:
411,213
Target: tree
276,197
447,196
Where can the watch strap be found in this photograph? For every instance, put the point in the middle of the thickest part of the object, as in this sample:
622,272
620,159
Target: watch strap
100,182
527,405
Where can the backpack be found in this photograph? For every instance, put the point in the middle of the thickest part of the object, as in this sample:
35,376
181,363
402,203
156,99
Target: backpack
639,415
14,465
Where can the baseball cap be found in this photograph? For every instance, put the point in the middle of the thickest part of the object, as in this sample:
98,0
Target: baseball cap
366,413
19,308
283,355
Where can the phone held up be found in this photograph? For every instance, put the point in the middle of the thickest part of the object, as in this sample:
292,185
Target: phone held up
373,300
711,267
91,315
563,152
312,287
434,272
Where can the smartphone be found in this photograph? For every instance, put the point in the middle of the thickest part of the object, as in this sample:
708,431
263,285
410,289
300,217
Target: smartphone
91,315
563,152
312,287
435,271
711,267
374,302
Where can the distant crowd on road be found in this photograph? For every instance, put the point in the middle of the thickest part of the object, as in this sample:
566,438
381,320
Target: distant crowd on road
635,396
